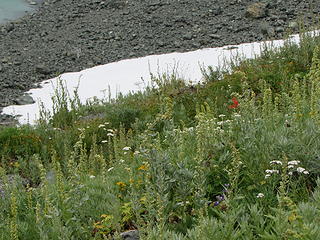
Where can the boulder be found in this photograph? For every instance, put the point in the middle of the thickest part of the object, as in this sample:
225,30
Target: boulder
257,10
23,100
130,235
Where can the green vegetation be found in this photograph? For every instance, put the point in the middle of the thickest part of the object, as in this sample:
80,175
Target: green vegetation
235,157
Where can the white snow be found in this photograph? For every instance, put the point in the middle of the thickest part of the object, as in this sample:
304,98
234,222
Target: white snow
127,75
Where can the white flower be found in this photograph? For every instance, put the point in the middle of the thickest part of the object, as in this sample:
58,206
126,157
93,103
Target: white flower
290,166
101,126
110,134
293,162
220,123
110,130
136,153
267,176
305,172
276,162
104,141
272,171
290,173
237,115
260,195
92,176
126,148
110,169
300,169
121,160
222,116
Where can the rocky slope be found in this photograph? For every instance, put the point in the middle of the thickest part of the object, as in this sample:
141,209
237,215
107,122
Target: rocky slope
68,35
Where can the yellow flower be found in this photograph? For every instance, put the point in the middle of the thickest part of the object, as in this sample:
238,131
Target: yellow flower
143,200
131,180
143,167
121,184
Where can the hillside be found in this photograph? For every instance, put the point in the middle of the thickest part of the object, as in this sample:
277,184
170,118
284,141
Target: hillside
236,157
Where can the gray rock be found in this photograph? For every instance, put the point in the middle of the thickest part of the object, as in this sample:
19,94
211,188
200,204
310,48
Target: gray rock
187,36
256,10
293,25
267,30
279,29
42,69
215,36
25,99
130,235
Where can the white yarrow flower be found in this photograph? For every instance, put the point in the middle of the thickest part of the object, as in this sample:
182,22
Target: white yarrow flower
104,141
92,176
276,162
260,195
300,169
110,169
267,176
295,162
110,134
126,148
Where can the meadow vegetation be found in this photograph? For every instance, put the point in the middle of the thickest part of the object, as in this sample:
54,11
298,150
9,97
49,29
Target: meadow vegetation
234,157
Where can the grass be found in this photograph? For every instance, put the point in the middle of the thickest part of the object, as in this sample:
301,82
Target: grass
235,157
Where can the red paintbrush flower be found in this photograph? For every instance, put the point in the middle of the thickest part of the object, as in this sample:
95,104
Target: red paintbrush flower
235,103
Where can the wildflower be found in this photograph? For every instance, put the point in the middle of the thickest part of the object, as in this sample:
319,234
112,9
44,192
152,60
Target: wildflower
237,115
305,172
110,169
110,134
276,162
271,171
92,176
222,116
101,126
290,166
126,148
220,123
300,169
260,195
220,198
122,185
136,153
290,173
110,130
143,200
267,176
143,167
216,203
104,141
121,160
295,162
235,103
